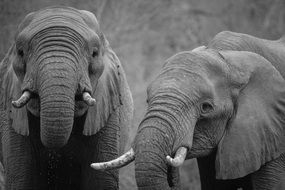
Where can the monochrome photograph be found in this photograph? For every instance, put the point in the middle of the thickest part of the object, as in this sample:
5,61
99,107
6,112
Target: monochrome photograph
142,95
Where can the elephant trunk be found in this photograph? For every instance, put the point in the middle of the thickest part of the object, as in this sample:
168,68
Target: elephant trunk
152,145
164,132
57,87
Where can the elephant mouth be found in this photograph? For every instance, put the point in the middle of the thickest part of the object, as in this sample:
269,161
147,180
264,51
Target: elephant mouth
34,107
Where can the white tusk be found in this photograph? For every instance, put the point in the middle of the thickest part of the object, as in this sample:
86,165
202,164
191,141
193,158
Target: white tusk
199,48
179,158
88,99
119,162
23,100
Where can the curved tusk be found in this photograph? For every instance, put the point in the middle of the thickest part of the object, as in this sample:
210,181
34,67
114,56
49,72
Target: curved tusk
88,99
119,162
199,48
23,100
179,158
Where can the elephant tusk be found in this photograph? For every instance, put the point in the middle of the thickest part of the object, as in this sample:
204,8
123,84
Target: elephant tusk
179,158
119,162
23,100
199,48
88,99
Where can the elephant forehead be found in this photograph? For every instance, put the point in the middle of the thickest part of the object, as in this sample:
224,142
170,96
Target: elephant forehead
206,63
187,88
59,17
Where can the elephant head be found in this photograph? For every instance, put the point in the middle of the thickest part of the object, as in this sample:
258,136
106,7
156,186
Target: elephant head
230,103
60,60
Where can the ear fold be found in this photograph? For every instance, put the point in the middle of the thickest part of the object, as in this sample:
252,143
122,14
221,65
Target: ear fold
11,90
256,132
106,93
26,21
93,23
90,20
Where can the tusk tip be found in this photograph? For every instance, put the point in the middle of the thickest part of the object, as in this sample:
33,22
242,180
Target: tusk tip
169,159
92,102
117,163
22,101
179,158
88,99
98,166
15,104
94,166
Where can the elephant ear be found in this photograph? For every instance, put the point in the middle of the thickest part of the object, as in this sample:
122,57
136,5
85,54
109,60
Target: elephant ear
11,90
256,133
107,94
107,91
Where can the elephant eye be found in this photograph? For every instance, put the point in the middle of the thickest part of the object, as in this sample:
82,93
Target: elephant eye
206,107
20,52
95,52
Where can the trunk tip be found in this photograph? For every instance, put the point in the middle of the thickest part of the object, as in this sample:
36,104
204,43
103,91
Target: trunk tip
54,144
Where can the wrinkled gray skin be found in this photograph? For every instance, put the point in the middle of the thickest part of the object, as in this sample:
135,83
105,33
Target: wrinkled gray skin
226,105
58,54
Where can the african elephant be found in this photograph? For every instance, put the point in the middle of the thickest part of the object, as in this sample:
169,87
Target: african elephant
66,103
218,104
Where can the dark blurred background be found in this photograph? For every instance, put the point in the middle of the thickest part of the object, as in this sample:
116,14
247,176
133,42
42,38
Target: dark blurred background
144,33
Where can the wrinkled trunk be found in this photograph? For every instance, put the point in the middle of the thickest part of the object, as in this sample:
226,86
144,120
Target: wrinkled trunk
151,148
154,141
160,134
57,86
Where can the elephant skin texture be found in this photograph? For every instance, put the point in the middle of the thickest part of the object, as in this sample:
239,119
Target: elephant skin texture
62,63
225,103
